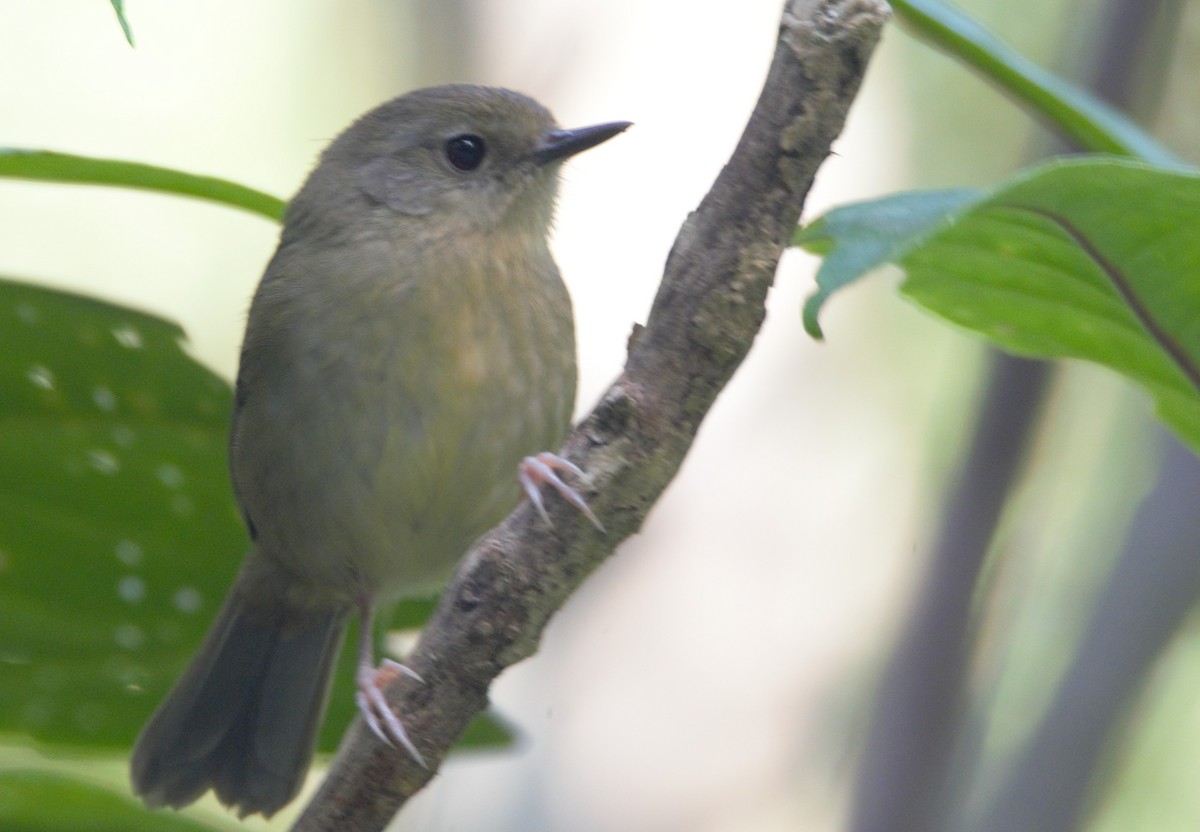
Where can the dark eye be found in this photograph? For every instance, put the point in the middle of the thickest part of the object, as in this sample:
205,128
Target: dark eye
466,152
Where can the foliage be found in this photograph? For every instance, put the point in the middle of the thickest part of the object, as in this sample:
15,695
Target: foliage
119,8
112,438
1051,264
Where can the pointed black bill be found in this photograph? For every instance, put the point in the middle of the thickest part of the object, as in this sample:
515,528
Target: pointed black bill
559,144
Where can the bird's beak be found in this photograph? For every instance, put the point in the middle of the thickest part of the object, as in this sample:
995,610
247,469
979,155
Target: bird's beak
559,144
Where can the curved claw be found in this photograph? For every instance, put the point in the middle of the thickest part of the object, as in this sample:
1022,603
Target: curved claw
380,718
536,471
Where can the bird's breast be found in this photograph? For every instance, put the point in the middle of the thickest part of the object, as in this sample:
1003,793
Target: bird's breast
386,435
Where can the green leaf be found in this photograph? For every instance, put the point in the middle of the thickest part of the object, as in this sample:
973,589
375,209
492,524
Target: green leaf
48,166
1091,123
1087,258
119,535
409,613
864,236
119,8
487,730
39,801
118,531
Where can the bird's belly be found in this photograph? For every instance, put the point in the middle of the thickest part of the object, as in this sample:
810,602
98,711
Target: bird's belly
389,468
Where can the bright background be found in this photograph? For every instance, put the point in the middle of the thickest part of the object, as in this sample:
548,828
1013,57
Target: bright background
716,674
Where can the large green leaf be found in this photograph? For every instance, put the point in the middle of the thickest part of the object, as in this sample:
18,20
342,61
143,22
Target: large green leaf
861,237
119,535
1094,258
40,801
118,531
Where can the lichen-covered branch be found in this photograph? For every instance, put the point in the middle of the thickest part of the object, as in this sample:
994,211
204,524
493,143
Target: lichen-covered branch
706,315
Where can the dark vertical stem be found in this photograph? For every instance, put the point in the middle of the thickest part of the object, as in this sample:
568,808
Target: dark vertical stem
1149,594
1155,582
919,700
917,724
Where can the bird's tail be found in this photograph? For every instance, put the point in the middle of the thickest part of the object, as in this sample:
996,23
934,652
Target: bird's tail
243,718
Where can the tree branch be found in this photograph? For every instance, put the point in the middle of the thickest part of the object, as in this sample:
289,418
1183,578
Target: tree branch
708,310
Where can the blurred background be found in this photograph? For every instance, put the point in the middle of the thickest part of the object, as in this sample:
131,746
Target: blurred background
718,672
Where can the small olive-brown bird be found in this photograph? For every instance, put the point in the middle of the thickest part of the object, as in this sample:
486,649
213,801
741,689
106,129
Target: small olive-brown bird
409,358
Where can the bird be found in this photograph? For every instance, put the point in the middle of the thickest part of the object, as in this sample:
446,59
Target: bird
408,364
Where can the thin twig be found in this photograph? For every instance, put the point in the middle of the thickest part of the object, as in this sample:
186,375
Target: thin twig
708,310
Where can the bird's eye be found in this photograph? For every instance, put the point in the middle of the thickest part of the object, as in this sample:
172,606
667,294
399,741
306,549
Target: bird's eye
466,152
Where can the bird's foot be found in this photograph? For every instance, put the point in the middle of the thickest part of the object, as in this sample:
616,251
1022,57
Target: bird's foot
380,718
536,471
